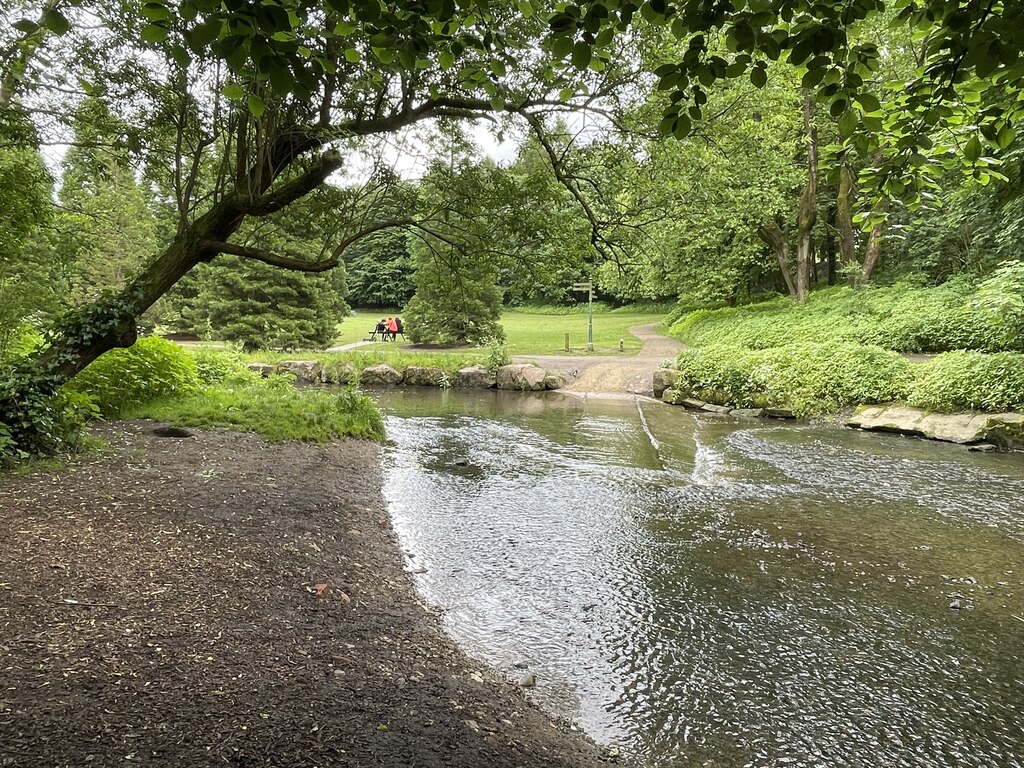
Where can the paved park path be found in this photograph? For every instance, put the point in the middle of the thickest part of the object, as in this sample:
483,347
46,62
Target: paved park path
614,375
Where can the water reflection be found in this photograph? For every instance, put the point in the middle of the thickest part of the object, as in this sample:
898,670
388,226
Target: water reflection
708,591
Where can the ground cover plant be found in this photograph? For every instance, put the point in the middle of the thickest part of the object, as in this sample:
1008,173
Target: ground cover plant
902,317
809,379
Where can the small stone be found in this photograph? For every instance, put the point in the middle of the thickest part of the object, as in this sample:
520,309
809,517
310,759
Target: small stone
956,605
521,665
529,680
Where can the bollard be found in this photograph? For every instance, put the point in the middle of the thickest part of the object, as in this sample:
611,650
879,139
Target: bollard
567,342
622,345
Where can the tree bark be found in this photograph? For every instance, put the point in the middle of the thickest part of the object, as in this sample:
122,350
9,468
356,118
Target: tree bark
808,206
773,236
874,248
844,216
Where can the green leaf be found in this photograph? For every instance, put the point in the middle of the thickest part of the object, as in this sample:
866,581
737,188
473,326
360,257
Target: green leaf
447,60
233,91
847,123
352,55
758,77
581,55
497,68
682,127
256,106
972,150
57,22
526,8
151,33
561,47
26,26
181,56
200,37
868,102
1005,137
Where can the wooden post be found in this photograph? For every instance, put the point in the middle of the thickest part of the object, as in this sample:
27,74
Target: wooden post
567,342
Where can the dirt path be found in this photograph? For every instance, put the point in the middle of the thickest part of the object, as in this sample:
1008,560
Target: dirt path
613,374
216,600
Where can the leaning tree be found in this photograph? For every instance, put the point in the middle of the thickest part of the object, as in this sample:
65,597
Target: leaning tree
239,108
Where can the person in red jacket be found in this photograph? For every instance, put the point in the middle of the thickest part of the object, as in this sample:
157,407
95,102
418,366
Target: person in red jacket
392,327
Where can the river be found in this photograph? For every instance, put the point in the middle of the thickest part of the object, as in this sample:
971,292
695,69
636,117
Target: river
706,591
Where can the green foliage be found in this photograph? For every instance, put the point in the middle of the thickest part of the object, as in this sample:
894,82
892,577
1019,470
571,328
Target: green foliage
962,381
1000,300
259,306
34,421
809,379
124,378
379,270
903,318
273,408
221,366
30,279
497,355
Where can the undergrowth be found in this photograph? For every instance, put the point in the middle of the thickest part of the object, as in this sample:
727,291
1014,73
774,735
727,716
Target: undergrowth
902,318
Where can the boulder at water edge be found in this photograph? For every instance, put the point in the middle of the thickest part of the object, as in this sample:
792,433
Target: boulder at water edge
554,381
475,376
306,371
521,376
963,428
665,378
382,373
423,376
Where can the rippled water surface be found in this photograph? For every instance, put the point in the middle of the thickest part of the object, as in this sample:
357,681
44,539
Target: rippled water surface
708,591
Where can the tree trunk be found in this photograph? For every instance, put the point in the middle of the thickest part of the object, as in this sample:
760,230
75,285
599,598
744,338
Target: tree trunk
111,323
844,216
808,206
874,248
773,236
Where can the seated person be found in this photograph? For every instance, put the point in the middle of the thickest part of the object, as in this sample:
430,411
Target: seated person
392,327
399,327
382,329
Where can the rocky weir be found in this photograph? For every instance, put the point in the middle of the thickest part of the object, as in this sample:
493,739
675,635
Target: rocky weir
522,377
978,431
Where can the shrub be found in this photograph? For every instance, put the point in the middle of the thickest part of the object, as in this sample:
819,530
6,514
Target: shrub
958,381
220,366
809,379
903,318
151,368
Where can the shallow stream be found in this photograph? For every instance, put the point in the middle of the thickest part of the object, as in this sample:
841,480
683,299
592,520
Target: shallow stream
709,591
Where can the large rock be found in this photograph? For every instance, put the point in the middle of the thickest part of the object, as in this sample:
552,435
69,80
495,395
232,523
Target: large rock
665,378
1003,429
382,373
521,376
307,371
475,376
554,381
423,376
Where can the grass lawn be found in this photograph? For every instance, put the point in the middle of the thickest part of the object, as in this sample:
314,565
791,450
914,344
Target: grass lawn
530,333
544,334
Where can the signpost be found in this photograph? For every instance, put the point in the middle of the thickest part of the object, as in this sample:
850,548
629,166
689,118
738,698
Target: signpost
589,288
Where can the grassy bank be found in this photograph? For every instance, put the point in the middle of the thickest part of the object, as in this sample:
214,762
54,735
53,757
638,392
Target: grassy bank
902,318
157,379
846,347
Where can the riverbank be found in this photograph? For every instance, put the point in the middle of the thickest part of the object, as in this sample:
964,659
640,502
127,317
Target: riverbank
216,599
